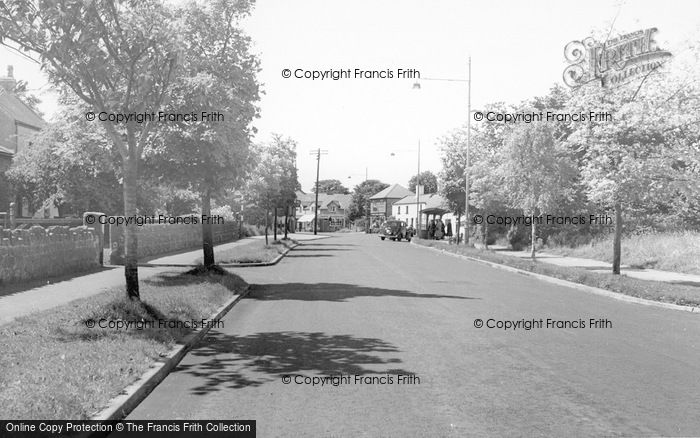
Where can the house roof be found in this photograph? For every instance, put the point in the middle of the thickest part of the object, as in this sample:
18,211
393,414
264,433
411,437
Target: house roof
397,191
432,200
324,199
306,218
5,151
18,110
435,201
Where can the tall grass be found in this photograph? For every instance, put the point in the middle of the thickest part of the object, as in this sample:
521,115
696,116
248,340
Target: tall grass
667,251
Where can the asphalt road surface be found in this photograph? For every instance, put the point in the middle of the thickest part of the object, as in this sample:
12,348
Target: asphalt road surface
398,323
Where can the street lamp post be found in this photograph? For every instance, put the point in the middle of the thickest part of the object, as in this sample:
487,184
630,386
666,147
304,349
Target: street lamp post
418,214
467,167
419,218
467,164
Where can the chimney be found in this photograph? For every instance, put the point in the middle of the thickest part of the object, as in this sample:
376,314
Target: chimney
9,82
420,189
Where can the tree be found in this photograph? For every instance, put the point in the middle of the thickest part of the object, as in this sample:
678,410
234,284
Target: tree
70,163
119,57
289,182
273,182
216,82
427,179
452,187
537,172
647,152
486,155
359,204
21,90
331,187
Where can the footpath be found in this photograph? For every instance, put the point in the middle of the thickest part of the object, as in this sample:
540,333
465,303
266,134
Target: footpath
598,266
60,293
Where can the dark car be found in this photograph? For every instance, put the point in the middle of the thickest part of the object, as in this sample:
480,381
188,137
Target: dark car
395,230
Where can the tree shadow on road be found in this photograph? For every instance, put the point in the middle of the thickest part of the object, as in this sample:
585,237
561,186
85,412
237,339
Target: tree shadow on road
299,248
332,292
305,244
222,361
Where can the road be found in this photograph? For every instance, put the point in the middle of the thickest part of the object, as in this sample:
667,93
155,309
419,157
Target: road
355,306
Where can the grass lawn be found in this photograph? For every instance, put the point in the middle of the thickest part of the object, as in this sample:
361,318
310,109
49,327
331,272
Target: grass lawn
651,290
254,252
675,252
55,367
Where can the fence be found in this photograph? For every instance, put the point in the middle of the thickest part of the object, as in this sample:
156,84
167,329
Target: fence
158,239
40,252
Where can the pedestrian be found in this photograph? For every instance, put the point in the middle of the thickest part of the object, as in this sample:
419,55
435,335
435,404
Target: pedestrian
431,229
449,229
439,229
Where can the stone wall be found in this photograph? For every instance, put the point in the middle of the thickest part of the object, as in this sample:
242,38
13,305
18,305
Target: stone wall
43,252
159,239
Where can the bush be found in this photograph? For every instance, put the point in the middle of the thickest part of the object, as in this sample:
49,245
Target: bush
249,230
518,238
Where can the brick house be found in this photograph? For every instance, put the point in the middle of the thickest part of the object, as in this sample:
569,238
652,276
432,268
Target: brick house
381,203
332,211
18,124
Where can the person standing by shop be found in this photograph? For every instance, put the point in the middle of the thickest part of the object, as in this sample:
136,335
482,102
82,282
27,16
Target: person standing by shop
439,229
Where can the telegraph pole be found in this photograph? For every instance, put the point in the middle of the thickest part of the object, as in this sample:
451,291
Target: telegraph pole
420,216
466,169
318,152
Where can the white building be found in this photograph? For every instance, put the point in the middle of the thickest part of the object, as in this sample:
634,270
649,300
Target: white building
431,206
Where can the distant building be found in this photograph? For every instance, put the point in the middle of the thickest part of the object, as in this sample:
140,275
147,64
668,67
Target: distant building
332,211
381,203
18,124
432,206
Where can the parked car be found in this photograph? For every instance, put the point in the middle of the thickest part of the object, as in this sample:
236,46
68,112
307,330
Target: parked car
395,230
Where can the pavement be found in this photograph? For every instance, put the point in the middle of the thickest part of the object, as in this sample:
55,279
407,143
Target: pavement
63,292
191,257
396,331
598,266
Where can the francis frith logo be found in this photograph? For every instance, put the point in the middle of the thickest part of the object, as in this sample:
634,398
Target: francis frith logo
614,61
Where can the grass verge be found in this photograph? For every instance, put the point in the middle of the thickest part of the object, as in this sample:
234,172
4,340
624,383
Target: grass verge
675,252
650,290
55,367
254,252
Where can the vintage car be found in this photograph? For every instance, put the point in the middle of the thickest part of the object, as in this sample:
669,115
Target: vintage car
395,230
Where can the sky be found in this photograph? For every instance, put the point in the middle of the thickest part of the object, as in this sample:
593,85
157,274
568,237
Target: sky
516,49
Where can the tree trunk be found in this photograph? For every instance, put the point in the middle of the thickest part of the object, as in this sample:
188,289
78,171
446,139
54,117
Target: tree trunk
275,225
286,221
207,235
131,269
617,242
457,225
486,235
267,214
533,237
